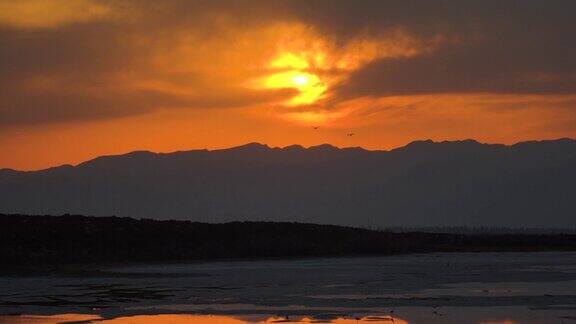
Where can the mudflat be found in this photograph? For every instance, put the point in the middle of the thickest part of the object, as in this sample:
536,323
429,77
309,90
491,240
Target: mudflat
418,288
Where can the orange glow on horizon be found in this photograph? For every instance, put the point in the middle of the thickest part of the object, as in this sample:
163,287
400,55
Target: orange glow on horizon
384,123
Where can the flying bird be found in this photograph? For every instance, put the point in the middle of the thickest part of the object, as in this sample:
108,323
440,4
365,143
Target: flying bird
350,134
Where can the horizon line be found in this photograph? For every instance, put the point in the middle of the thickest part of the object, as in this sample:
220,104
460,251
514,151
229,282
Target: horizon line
468,140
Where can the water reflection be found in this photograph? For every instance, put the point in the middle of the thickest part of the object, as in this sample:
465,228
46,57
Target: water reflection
189,319
48,319
212,319
175,319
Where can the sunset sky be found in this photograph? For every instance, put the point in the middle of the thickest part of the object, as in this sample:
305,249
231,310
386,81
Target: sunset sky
84,78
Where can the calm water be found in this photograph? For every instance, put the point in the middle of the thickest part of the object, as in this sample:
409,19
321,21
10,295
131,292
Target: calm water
431,288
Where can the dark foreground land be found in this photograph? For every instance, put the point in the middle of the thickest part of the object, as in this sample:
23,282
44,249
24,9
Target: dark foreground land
60,240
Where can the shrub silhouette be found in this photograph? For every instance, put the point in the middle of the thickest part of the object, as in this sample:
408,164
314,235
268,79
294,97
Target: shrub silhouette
68,239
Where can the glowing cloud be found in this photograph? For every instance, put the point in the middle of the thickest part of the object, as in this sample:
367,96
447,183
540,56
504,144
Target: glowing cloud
291,61
310,87
312,64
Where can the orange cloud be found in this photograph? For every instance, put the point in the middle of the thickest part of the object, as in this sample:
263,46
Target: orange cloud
311,63
52,13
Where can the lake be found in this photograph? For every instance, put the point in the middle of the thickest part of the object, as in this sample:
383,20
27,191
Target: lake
420,288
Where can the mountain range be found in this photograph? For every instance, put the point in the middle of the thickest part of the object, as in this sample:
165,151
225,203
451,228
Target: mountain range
425,183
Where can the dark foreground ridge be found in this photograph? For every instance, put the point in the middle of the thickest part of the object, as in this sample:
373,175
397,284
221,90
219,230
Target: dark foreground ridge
60,240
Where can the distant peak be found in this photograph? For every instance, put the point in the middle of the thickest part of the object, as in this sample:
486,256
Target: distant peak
465,141
293,147
563,140
420,143
109,159
140,152
8,170
324,147
356,148
136,154
455,142
250,147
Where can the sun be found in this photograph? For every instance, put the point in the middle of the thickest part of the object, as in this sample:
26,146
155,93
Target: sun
301,80
290,71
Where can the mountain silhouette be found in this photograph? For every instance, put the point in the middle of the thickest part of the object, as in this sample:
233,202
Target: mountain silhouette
425,183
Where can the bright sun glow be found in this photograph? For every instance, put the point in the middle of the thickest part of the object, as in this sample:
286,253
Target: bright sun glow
301,80
291,72
289,61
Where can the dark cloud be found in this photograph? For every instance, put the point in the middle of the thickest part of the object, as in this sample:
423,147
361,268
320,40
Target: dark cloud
430,17
483,67
90,49
498,47
20,108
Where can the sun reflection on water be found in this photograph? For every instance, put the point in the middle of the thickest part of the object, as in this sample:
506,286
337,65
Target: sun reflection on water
189,319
